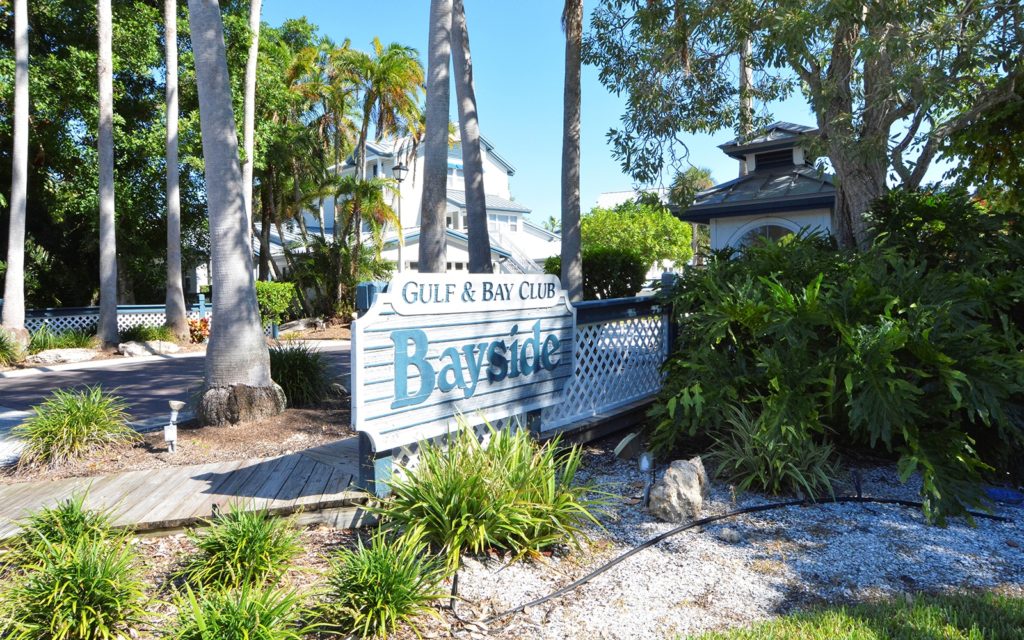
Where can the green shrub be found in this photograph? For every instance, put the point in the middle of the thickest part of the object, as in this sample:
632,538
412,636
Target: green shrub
302,373
70,424
607,273
246,613
45,338
913,346
371,590
66,523
275,300
514,494
10,351
242,548
146,333
89,590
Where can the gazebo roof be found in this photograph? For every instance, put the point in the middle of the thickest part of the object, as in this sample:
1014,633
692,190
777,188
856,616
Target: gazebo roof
778,135
775,190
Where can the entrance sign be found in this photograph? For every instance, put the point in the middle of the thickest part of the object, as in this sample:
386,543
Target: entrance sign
433,347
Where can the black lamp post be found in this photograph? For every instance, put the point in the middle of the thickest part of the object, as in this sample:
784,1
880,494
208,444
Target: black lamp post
399,172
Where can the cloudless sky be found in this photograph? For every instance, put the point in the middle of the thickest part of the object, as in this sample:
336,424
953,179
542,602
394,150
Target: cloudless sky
518,54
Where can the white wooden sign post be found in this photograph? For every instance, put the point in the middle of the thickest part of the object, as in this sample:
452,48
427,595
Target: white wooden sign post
437,350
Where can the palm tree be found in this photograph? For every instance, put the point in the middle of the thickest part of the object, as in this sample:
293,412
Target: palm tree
435,151
572,259
237,387
249,116
472,161
105,143
14,280
174,303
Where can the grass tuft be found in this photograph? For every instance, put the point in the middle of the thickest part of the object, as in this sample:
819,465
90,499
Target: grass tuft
246,613
146,333
10,351
44,338
70,424
371,590
302,373
66,523
241,548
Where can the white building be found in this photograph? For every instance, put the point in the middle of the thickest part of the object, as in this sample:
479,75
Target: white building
517,245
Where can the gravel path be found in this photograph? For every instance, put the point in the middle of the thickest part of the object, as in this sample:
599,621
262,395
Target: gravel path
696,581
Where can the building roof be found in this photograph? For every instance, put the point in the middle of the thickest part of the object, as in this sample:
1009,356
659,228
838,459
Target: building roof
496,203
769,191
389,147
778,135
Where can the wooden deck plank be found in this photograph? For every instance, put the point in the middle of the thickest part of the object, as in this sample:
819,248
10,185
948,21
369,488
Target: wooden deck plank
187,506
315,484
185,491
264,487
148,492
225,493
291,490
338,485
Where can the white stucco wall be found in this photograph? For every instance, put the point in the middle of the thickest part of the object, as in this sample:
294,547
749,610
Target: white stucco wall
728,231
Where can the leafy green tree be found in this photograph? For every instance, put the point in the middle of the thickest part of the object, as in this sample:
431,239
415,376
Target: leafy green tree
888,81
648,230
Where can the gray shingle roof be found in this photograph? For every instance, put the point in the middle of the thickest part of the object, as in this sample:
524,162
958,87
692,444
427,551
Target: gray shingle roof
497,203
765,192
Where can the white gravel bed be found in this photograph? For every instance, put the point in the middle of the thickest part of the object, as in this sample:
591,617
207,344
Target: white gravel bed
695,581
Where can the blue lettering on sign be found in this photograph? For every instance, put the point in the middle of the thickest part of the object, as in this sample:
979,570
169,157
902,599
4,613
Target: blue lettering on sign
462,368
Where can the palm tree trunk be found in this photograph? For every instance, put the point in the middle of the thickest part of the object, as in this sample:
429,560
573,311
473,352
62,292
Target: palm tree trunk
238,387
249,116
572,260
357,205
174,302
472,160
105,143
263,272
321,219
435,164
14,280
746,99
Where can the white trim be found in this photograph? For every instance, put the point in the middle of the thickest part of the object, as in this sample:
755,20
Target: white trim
760,222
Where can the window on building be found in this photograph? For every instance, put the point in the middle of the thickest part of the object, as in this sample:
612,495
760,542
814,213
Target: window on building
773,232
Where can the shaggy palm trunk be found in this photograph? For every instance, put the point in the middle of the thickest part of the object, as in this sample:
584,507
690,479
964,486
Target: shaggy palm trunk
572,258
249,116
746,99
435,149
105,143
174,302
14,280
469,126
237,387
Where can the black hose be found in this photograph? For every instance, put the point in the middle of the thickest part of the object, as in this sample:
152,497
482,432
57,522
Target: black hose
710,519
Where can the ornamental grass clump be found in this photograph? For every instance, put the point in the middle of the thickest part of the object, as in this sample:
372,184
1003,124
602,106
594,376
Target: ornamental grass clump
71,424
66,523
10,352
241,548
87,590
514,495
146,333
246,613
301,371
44,338
372,590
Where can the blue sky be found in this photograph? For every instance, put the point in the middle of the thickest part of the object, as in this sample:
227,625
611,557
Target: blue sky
518,56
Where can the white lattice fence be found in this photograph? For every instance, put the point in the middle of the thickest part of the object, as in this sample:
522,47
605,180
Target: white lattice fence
87,319
618,362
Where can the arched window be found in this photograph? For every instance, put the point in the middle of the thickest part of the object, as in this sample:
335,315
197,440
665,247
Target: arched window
773,232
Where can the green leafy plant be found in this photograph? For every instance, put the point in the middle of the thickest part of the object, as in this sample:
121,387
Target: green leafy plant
607,272
87,590
302,373
642,227
246,613
241,547
45,338
71,424
10,351
275,300
371,590
66,523
146,333
514,494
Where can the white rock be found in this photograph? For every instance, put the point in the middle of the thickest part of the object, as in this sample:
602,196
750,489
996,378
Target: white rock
147,348
679,495
61,356
729,535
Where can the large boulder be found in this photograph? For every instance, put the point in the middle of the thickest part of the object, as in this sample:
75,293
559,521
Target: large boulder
148,348
679,495
61,356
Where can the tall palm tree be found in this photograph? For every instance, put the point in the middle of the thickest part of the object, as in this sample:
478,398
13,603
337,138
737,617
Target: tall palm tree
105,142
174,303
435,149
237,386
572,259
14,280
472,160
746,99
249,116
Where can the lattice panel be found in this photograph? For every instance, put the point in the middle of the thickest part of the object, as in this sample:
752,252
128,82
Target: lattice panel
407,456
617,362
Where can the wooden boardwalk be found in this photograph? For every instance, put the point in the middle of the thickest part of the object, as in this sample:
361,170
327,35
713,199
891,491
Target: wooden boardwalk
306,482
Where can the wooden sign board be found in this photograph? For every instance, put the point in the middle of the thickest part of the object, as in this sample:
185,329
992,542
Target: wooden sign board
436,347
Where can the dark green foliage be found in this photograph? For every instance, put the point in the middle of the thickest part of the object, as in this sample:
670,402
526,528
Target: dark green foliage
371,590
514,495
644,227
326,269
913,346
246,613
45,338
66,523
607,273
10,352
302,373
90,589
71,424
275,299
241,548
146,333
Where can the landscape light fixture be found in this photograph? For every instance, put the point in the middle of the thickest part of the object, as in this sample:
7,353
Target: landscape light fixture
171,428
399,171
646,463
